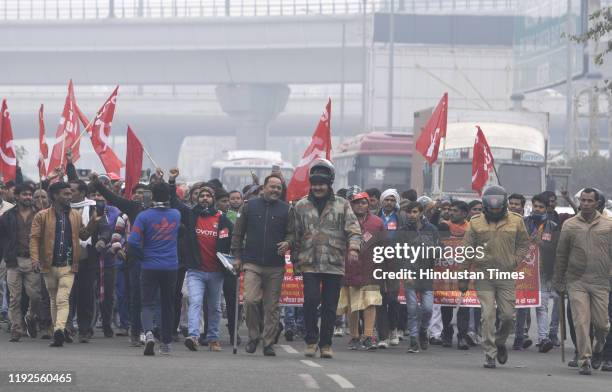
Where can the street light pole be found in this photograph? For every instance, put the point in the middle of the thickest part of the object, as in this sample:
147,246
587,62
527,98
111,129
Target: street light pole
391,66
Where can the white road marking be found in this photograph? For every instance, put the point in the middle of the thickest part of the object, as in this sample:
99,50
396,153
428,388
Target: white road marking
289,349
343,382
309,381
310,363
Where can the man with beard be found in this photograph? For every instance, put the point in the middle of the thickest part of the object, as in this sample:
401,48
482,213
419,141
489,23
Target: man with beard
504,238
265,222
15,227
325,230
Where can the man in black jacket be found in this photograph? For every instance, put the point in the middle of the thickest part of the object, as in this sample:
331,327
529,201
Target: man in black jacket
264,221
208,231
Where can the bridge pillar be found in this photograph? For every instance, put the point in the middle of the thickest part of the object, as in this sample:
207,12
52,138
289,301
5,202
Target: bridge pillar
252,107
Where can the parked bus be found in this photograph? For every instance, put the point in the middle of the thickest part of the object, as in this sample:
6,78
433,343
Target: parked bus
235,168
374,160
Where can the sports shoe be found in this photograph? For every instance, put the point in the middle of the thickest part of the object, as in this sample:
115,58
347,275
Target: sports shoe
289,335
149,344
369,343
585,369
414,345
58,339
472,339
354,344
310,350
574,362
502,354
251,346
383,343
268,351
489,362
527,343
394,338
191,343
596,360
434,341
338,332
423,339
30,324
326,352
143,339
165,349
545,346
215,346
606,366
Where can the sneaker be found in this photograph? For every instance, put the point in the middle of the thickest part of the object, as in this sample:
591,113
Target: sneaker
369,343
108,331
502,354
30,324
191,343
15,336
68,336
574,362
326,352
606,366
289,335
414,345
434,341
394,338
215,346
251,346
122,332
461,344
310,350
555,340
279,331
423,339
58,339
596,360
143,339
149,344
338,332
268,351
489,362
354,344
545,346
165,349
585,369
383,343
472,339
135,341
527,343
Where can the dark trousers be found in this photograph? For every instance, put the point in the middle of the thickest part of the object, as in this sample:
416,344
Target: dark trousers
387,314
106,306
83,297
229,293
178,297
44,311
323,289
165,282
122,306
463,321
134,298
607,350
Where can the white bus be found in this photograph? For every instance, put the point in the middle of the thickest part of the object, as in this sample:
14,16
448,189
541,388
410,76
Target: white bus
235,168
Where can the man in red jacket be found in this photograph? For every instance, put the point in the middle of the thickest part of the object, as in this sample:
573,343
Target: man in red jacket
360,292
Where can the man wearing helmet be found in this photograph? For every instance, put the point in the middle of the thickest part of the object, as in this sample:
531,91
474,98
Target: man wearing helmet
504,238
325,229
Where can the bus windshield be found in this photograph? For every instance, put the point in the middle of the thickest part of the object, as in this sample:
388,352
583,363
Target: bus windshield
236,178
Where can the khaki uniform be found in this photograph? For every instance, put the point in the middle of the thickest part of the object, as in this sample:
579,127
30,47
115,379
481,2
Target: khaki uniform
584,269
505,244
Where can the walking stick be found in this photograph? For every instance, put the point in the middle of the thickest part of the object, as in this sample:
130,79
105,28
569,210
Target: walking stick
562,322
236,308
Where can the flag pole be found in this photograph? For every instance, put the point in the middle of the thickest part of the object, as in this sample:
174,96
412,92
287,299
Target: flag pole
496,175
150,157
442,166
82,133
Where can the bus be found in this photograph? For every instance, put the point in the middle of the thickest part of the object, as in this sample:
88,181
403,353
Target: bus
235,168
518,142
374,160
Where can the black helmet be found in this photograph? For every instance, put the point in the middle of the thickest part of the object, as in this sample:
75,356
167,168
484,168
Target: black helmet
322,170
494,196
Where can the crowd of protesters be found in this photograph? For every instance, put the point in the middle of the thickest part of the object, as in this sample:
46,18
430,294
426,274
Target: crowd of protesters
77,255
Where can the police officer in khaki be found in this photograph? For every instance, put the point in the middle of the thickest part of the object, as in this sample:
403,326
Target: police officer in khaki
504,238
584,270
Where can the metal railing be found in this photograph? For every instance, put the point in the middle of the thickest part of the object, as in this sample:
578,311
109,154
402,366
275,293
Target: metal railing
99,9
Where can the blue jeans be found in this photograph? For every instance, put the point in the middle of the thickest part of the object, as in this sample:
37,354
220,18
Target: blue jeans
414,310
200,284
546,295
294,318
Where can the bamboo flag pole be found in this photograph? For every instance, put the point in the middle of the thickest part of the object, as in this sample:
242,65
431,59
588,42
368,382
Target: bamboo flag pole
442,166
150,157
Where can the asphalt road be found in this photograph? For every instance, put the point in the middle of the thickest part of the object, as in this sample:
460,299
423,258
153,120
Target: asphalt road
108,364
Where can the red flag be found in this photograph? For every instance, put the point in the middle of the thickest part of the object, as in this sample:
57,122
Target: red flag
43,149
8,161
428,143
100,132
133,162
67,133
482,162
320,147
